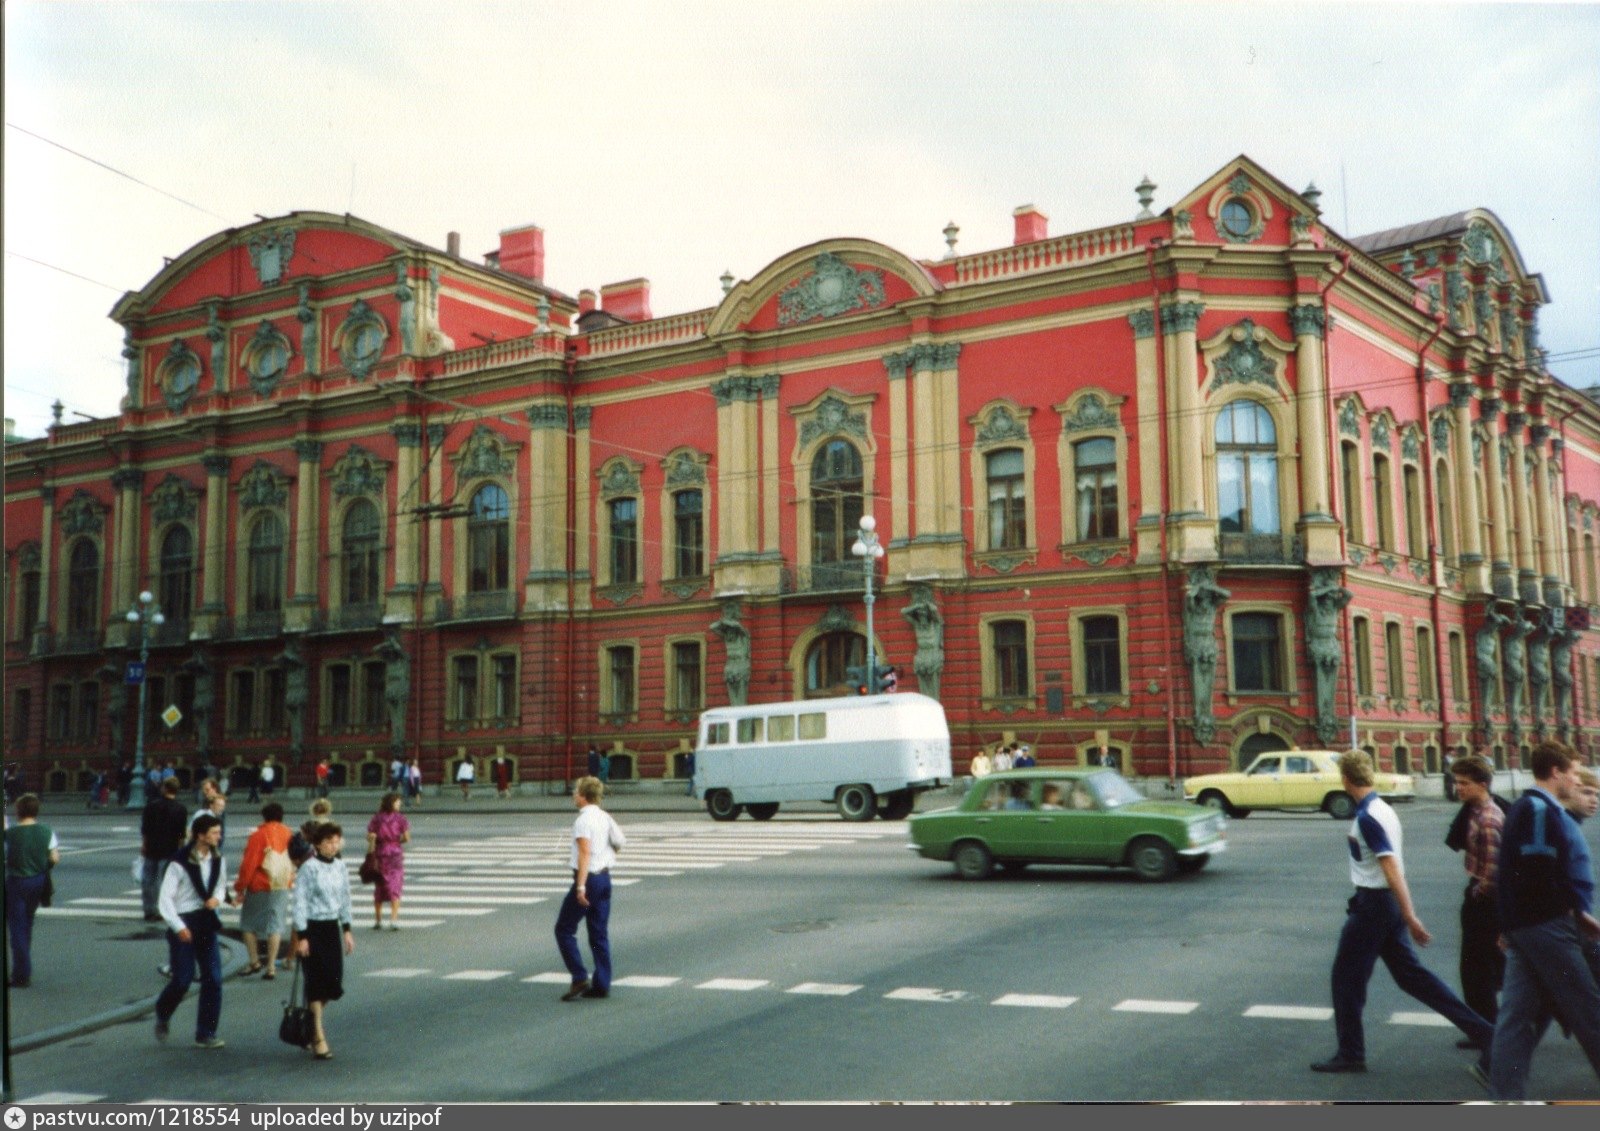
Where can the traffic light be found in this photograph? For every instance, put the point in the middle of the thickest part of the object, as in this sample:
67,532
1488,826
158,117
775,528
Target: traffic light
856,677
888,680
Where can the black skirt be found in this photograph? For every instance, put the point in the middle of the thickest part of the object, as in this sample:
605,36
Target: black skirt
324,966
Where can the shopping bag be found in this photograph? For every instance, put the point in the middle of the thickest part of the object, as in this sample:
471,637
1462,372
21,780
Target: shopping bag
297,1027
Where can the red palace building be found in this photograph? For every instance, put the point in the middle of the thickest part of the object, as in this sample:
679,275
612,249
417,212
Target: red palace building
1188,486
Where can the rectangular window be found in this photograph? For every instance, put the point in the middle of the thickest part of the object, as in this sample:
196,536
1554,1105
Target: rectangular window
686,676
1102,656
504,674
624,519
619,664
22,715
1095,486
717,734
274,716
1425,681
751,730
1416,541
373,707
780,728
1258,652
30,603
1383,498
1458,667
813,726
1395,660
688,530
242,704
1350,469
88,727
1363,633
464,688
1011,658
339,696
1008,507
61,711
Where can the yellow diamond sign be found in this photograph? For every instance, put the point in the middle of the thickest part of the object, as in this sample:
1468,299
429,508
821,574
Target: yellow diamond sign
172,716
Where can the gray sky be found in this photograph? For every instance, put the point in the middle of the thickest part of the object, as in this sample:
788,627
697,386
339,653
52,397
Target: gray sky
676,140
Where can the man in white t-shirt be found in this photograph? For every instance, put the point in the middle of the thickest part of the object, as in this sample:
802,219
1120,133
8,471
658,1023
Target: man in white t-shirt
595,839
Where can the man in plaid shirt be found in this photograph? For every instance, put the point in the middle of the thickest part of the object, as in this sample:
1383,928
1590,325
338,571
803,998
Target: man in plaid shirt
1477,830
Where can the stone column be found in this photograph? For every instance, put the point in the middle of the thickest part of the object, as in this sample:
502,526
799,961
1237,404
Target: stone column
925,454
739,486
1465,489
214,571
899,449
1527,567
1195,536
307,535
125,570
771,503
1319,533
1545,515
546,585
399,602
47,531
1148,399
947,441
1494,487
1558,514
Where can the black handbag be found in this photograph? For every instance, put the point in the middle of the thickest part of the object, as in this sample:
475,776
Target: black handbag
49,892
297,1028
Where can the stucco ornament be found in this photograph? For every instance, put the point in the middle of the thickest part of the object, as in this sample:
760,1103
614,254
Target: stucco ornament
1538,671
82,514
173,500
396,687
1090,414
685,471
1202,598
832,288
262,486
178,376
1441,433
927,623
1325,599
1561,642
619,479
1350,418
736,647
1480,244
358,472
1514,653
1381,436
1411,442
266,358
361,337
1001,425
1244,363
269,254
131,353
483,455
833,417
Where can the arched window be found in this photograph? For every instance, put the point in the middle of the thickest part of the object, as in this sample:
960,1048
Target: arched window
836,509
1095,484
177,574
1383,501
1411,484
1444,506
1008,502
83,587
32,594
488,540
1350,474
827,659
265,565
361,557
1247,478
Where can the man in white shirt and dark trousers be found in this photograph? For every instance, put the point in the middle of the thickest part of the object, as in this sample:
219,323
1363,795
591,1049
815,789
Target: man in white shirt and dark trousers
595,840
192,889
1377,920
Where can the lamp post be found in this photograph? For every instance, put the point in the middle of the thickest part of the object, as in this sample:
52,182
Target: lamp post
145,613
869,551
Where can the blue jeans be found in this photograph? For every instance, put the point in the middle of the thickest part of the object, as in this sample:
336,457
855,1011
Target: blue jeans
150,883
1373,929
1544,962
597,915
22,900
201,951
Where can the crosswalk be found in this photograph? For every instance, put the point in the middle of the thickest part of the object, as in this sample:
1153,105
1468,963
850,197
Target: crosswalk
479,876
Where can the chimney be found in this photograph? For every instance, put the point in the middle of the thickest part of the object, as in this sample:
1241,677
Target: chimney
1032,225
629,300
586,301
452,245
522,252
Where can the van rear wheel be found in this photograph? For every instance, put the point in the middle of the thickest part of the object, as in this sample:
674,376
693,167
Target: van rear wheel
762,811
897,806
857,803
721,806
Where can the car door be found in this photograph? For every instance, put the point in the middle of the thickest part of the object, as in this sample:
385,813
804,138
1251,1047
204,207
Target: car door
1002,822
1055,830
1302,785
1263,783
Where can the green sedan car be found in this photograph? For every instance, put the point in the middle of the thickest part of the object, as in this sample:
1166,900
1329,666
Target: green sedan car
1045,816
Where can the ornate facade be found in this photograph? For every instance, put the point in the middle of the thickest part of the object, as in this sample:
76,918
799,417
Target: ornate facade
1190,486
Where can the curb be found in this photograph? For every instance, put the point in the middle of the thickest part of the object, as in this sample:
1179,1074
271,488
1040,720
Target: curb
234,962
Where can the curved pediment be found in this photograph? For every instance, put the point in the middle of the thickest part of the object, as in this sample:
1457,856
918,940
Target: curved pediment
262,256
812,284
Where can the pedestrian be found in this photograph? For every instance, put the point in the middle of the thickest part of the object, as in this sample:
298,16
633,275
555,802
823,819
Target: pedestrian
1450,793
124,783
1480,821
191,892
605,767
387,832
268,774
465,773
31,851
688,773
323,773
1546,917
1002,759
1024,758
414,782
595,841
266,876
1377,920
500,771
397,775
592,762
253,778
161,831
981,766
214,802
321,916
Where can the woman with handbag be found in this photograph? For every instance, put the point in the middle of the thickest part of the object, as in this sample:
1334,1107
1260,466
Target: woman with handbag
321,916
386,833
31,851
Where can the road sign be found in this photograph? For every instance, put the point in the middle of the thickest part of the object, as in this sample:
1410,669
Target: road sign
172,716
135,675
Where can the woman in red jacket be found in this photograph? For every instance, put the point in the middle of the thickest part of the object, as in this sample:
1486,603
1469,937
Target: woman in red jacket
266,875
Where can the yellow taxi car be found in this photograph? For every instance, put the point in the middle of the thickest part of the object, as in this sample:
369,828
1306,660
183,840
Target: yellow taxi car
1290,779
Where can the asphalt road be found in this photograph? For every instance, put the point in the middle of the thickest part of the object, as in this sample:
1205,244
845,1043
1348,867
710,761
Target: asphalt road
809,959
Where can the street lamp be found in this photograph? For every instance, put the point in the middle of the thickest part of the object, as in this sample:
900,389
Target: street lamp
869,551
146,612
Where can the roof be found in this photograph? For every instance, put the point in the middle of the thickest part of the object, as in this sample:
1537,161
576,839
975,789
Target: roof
1412,233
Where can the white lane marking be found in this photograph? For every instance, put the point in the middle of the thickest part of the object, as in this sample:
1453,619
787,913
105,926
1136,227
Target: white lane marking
398,972
740,984
1141,1005
477,975
647,981
1036,1001
497,900
925,993
552,979
1290,1012
825,989
1430,1020
59,1098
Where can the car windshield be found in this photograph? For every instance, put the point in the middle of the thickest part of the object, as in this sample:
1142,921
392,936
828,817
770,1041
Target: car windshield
1113,789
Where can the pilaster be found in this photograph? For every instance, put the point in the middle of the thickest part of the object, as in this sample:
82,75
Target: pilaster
1192,535
1319,533
899,449
1502,582
1147,383
400,601
1522,506
125,546
307,536
1472,561
545,587
47,529
213,602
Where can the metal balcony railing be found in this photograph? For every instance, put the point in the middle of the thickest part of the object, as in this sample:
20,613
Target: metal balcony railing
495,605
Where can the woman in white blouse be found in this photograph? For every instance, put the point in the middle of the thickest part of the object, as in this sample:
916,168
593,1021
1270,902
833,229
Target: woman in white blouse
321,915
